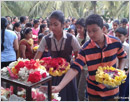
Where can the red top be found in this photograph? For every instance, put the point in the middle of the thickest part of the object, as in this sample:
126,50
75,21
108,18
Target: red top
29,51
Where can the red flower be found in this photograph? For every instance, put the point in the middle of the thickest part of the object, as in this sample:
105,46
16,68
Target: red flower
34,77
45,61
32,64
44,75
19,65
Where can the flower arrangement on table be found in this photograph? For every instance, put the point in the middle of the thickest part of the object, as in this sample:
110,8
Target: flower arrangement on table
25,70
55,66
110,76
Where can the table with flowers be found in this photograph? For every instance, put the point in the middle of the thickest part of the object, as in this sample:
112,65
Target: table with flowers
28,86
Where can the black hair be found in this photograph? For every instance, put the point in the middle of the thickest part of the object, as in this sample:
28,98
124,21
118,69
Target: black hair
116,21
40,36
28,25
26,31
42,26
121,30
124,20
17,24
81,22
67,20
94,19
73,19
35,21
57,14
69,30
106,25
22,19
44,20
4,23
14,18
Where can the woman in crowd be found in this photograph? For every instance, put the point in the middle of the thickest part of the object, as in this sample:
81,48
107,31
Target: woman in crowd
26,45
9,44
60,44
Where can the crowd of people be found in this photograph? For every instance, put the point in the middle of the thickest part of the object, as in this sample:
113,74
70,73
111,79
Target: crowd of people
85,43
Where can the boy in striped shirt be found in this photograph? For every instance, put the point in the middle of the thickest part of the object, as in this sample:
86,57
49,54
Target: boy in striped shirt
100,50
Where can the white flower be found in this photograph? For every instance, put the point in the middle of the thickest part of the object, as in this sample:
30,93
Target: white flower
21,59
4,71
12,64
23,73
56,96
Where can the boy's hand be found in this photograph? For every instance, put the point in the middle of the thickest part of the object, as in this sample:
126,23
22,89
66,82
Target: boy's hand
56,89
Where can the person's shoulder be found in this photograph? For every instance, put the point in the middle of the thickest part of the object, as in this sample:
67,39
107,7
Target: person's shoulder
10,31
86,44
114,38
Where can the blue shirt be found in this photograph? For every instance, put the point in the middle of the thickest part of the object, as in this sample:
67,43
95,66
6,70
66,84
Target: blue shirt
8,54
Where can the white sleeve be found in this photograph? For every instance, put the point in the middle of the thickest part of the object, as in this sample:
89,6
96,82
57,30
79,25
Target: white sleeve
75,44
42,45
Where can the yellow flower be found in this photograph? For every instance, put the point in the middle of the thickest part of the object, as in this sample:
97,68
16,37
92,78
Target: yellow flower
35,48
14,70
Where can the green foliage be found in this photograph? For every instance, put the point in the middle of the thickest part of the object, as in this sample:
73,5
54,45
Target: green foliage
33,9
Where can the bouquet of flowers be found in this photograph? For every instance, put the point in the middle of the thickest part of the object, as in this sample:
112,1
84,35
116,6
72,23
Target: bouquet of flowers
110,76
25,70
35,48
55,66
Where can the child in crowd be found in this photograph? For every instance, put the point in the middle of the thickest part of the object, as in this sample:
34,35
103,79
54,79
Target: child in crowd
35,31
43,27
17,29
71,31
60,44
121,33
115,25
100,50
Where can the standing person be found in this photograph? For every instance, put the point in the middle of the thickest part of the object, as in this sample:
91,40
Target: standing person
106,28
100,50
26,45
82,38
121,33
115,25
35,31
60,44
17,30
71,31
15,20
43,28
9,44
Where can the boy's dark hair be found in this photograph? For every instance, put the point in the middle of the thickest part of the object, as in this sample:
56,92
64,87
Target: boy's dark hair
121,30
69,30
28,25
22,19
73,19
57,14
94,19
81,22
106,25
124,20
116,21
17,24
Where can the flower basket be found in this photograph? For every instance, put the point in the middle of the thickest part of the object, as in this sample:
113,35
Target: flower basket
110,76
55,66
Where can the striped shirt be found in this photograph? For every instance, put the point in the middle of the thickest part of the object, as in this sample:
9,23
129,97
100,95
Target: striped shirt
92,55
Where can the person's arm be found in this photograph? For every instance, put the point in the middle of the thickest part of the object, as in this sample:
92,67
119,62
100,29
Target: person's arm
122,63
15,44
38,55
67,78
22,49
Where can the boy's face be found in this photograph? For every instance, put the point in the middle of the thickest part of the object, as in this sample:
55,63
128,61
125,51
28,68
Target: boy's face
123,25
95,32
115,26
121,37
